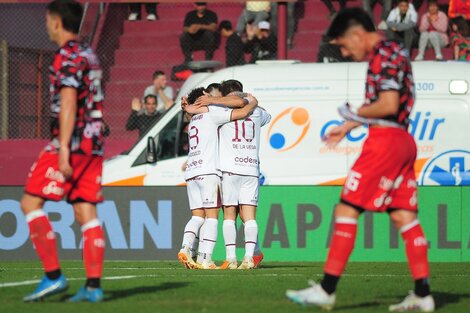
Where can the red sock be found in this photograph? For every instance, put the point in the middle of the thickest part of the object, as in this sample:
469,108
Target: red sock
341,246
416,250
93,248
43,238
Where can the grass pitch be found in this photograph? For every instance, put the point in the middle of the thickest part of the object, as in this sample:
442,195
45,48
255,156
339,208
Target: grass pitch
136,287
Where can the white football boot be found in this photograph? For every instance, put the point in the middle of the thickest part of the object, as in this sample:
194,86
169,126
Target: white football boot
312,296
414,303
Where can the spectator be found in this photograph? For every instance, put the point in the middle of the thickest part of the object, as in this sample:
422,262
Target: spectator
331,8
254,13
460,40
401,24
433,29
262,44
200,27
150,8
459,8
386,7
291,21
143,118
233,46
329,52
160,89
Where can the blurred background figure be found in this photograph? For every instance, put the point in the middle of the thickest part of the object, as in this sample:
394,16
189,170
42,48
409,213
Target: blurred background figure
433,31
460,39
331,8
161,91
150,9
143,116
254,12
261,43
233,46
401,24
200,27
386,7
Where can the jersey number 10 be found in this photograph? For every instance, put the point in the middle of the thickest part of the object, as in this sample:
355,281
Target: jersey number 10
247,128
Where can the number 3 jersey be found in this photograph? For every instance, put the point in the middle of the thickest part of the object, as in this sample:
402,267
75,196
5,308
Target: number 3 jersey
204,141
239,144
76,66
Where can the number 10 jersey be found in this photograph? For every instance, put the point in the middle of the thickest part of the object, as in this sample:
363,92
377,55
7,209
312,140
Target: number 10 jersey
239,144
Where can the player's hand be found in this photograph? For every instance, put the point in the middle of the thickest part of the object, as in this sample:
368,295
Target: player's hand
252,100
64,162
335,135
204,101
136,104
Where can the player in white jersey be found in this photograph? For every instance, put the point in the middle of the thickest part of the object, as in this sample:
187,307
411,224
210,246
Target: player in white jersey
239,164
201,175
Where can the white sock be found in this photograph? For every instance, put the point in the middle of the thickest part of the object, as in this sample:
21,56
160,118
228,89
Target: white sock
200,253
191,230
257,247
251,236
230,239
210,237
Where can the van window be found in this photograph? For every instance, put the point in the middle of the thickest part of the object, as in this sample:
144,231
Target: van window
172,141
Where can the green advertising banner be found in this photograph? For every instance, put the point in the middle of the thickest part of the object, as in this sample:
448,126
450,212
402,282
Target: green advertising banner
295,224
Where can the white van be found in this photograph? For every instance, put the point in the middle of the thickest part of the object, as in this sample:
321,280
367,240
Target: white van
303,101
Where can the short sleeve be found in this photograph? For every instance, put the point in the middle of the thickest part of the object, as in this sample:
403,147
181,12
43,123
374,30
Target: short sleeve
70,72
265,117
212,18
148,91
220,114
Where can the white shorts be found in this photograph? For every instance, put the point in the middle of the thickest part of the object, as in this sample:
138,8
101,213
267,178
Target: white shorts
238,189
204,192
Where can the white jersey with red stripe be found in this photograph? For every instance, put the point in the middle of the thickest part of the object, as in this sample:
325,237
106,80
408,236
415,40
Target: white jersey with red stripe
204,141
239,144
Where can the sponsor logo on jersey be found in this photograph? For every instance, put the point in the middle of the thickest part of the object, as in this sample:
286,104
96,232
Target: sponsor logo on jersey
450,168
297,120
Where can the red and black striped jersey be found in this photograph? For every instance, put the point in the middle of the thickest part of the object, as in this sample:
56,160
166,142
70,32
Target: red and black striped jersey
76,66
390,69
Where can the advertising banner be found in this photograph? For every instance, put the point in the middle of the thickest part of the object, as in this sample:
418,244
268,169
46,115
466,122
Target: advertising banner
295,224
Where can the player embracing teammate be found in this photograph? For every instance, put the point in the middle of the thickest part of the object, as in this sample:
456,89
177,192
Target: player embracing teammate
202,174
383,178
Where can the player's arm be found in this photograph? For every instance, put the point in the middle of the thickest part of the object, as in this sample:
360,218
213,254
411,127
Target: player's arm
387,104
232,101
246,110
336,134
68,111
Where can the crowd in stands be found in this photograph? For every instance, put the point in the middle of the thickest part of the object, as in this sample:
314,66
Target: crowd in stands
255,35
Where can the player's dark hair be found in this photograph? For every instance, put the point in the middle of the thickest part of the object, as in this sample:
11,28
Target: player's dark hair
231,85
400,1
432,2
213,86
194,94
348,18
225,24
157,73
150,96
70,13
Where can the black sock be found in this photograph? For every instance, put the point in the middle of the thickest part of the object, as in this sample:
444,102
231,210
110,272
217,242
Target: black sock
422,288
329,283
93,283
54,274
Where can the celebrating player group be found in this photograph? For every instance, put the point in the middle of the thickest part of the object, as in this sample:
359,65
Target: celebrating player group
222,168
223,156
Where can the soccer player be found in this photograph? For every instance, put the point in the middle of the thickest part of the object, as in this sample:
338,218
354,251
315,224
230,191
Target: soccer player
71,164
239,163
201,175
383,178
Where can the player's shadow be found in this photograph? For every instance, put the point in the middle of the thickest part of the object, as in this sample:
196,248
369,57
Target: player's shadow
358,305
124,293
283,265
444,298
